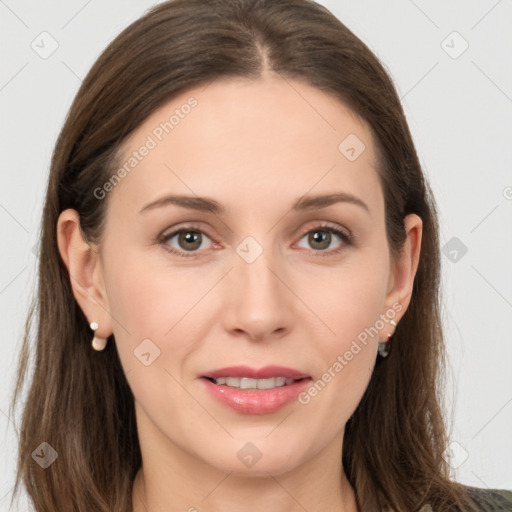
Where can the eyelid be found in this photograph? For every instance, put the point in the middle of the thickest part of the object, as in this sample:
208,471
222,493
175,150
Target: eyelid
325,224
167,233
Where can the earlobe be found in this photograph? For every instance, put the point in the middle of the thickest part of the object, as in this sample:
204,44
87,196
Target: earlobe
84,269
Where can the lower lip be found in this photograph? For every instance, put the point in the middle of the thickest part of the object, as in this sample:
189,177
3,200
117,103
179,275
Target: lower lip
252,401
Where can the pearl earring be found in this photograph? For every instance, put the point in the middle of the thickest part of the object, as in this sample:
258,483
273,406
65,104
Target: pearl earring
97,342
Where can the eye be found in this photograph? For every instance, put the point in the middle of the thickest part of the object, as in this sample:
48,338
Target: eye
188,239
321,237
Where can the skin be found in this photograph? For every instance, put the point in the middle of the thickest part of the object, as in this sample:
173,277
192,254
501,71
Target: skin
255,147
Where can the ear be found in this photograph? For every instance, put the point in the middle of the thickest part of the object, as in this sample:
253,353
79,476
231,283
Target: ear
404,267
85,272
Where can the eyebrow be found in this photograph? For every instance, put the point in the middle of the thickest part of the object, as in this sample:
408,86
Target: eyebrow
206,204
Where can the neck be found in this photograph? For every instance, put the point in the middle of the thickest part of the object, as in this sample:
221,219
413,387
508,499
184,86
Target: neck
274,493
173,478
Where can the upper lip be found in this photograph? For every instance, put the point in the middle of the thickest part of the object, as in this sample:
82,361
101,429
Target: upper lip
266,372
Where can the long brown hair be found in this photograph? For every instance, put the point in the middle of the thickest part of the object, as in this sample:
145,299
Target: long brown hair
79,401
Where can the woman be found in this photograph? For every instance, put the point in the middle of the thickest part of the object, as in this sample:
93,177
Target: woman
239,279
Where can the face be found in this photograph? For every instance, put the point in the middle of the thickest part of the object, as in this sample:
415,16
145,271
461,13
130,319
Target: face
261,275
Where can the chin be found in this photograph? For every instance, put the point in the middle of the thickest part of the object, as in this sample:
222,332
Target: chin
256,458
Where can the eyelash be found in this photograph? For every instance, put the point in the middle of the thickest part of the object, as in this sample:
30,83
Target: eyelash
348,239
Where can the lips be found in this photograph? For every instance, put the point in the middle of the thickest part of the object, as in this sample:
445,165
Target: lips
266,372
255,401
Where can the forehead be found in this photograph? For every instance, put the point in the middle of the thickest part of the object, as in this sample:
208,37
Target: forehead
258,140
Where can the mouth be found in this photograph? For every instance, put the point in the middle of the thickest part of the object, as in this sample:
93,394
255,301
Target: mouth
255,391
245,377
254,384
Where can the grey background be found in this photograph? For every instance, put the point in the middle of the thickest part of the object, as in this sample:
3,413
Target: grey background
459,108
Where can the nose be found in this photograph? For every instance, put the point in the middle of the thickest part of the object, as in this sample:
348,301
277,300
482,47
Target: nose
257,303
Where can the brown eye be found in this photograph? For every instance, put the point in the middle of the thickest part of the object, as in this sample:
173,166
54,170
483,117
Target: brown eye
185,240
189,240
320,239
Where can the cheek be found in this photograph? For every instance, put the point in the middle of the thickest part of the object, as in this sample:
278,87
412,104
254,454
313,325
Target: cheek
138,301
159,304
352,297
351,306
149,299
149,308
141,314
348,358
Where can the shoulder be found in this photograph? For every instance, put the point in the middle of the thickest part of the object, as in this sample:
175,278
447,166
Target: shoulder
491,500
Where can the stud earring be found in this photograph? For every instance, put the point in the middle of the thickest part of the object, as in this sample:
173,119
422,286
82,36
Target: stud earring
97,342
385,346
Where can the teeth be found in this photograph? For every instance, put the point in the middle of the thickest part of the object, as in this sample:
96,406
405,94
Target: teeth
247,383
